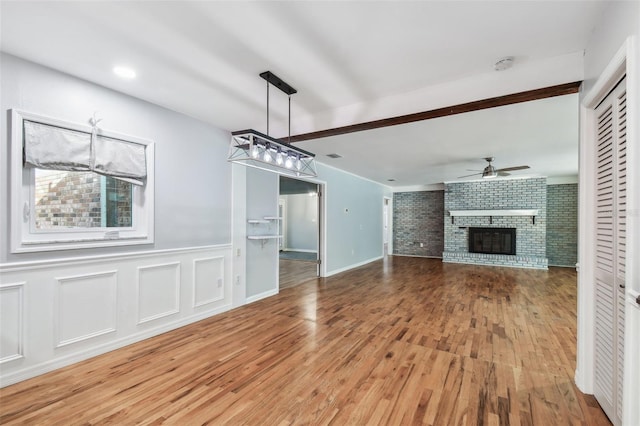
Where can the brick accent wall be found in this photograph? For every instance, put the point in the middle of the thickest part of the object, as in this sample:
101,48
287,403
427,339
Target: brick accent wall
418,220
492,195
562,224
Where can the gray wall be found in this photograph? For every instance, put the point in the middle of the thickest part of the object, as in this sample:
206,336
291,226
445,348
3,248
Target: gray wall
192,176
418,218
262,259
562,224
354,218
302,222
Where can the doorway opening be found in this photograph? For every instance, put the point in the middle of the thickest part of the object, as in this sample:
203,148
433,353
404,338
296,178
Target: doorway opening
299,207
387,231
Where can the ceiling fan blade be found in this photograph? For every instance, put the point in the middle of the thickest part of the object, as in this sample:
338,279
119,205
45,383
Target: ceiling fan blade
511,169
504,174
460,177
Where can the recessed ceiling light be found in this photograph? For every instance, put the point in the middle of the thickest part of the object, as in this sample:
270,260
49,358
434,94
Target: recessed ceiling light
391,180
124,72
504,63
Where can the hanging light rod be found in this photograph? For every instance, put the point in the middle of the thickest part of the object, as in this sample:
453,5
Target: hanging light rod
278,82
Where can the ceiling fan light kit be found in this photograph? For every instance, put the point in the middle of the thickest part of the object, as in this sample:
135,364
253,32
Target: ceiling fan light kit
254,149
491,172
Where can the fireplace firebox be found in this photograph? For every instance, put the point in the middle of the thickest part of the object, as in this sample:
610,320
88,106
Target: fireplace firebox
492,240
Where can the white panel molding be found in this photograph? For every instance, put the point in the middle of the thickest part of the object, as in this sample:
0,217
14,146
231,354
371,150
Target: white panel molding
218,281
63,361
17,287
67,262
262,295
171,267
39,336
61,310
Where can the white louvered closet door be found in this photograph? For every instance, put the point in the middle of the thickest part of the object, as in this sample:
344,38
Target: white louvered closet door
610,251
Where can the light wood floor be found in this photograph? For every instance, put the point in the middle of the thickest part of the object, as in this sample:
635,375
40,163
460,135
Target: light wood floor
294,272
400,341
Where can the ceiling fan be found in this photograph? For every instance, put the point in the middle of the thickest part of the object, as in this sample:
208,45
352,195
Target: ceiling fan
491,172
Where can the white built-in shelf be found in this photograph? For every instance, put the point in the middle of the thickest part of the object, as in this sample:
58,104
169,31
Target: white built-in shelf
508,212
254,221
263,238
266,219
491,213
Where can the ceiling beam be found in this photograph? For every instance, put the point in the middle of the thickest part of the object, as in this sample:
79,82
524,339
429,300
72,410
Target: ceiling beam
514,98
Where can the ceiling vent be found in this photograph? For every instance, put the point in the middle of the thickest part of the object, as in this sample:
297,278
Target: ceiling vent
334,155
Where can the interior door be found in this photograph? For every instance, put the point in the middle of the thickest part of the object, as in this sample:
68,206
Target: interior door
610,183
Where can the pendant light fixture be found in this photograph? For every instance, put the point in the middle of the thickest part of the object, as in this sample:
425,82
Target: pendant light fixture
255,149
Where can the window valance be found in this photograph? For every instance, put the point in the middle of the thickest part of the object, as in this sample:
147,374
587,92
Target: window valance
57,148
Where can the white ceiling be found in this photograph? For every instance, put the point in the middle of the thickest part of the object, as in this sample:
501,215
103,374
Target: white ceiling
542,134
350,61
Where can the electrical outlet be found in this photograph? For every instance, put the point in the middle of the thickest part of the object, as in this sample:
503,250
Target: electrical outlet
421,244
237,252
219,282
237,279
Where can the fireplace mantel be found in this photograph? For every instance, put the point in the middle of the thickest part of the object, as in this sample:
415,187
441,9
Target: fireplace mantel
507,212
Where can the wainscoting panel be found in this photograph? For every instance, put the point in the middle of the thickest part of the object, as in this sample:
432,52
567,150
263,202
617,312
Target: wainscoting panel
158,291
85,306
11,318
208,279
58,312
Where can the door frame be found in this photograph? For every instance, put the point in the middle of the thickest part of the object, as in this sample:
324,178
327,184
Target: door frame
282,223
389,233
623,63
322,228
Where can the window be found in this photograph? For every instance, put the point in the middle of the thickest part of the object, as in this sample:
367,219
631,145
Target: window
66,199
72,189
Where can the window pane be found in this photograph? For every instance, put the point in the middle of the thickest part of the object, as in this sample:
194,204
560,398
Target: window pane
66,199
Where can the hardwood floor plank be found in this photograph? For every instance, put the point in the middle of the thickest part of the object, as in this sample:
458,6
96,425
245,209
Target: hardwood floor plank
399,341
295,272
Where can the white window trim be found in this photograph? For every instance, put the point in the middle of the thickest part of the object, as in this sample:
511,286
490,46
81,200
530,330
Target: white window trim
24,239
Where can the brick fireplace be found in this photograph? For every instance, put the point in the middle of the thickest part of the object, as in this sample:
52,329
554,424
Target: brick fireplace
503,203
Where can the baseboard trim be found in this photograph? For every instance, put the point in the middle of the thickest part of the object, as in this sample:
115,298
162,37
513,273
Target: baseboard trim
261,296
352,266
565,266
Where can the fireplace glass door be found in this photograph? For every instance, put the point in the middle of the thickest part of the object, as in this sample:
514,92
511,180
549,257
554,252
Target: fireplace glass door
492,240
